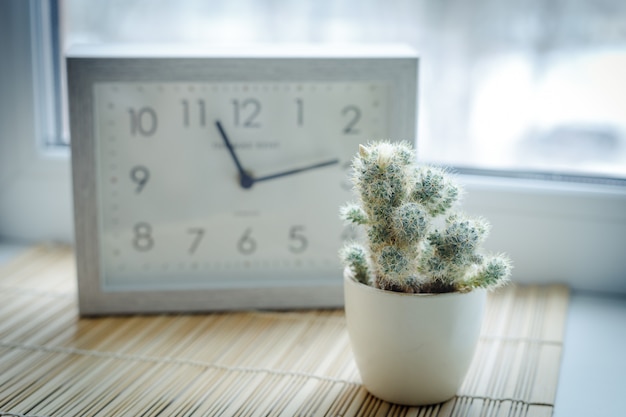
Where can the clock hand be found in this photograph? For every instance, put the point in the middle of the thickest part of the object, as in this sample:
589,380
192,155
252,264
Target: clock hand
297,170
245,180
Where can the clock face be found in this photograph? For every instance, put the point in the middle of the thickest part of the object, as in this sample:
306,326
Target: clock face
202,183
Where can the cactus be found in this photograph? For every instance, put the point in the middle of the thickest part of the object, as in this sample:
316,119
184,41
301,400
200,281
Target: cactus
416,242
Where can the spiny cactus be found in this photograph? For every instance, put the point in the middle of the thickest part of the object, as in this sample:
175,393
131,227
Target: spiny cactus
400,205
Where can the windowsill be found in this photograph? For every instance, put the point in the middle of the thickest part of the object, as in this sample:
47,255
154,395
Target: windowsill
592,365
591,380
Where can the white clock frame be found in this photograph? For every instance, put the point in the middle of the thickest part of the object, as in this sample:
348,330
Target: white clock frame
397,66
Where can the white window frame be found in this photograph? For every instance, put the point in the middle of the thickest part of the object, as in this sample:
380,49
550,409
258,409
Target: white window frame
35,187
555,231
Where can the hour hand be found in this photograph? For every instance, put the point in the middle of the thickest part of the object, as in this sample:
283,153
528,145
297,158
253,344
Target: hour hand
245,180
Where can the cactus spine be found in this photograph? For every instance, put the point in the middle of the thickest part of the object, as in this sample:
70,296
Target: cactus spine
399,205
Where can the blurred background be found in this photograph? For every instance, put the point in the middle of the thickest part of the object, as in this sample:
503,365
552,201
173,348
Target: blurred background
536,85
525,99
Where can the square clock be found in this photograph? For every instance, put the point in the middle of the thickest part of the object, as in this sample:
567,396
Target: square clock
211,180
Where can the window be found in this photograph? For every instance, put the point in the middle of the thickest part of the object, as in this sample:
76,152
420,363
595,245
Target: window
522,87
522,91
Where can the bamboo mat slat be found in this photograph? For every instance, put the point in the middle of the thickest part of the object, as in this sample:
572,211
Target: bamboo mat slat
299,363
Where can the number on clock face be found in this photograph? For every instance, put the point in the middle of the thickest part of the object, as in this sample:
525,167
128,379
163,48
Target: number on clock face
202,182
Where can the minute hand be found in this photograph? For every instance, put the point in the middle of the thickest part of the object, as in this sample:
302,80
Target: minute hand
297,170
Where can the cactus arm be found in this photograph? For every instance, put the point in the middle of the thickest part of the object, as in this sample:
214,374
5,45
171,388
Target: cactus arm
354,256
353,213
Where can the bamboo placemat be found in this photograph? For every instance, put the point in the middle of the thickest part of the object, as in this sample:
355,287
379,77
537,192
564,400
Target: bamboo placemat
52,363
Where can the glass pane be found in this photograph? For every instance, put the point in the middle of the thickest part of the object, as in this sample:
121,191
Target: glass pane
534,86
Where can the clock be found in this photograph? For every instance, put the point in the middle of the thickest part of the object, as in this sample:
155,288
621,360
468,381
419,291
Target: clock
211,181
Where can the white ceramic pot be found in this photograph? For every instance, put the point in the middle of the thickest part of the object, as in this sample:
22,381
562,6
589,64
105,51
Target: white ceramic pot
412,349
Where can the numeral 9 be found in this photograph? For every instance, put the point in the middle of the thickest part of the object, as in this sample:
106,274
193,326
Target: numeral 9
140,176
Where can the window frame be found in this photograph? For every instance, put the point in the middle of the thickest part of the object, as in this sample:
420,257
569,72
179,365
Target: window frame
48,80
35,197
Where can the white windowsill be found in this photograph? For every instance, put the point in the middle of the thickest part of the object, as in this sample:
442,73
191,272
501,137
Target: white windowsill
591,382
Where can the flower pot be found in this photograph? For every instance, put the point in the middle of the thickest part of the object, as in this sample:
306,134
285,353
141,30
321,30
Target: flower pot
412,349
